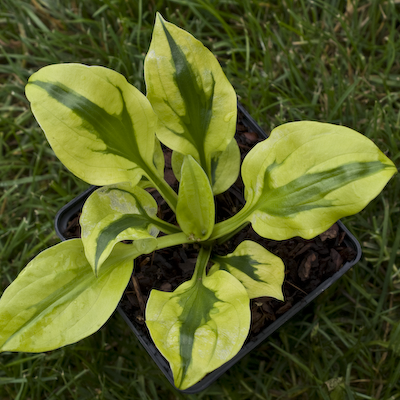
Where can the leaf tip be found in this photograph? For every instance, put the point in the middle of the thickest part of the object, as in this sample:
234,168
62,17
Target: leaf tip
159,18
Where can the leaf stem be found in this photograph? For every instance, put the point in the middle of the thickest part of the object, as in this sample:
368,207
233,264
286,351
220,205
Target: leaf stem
181,238
165,226
164,189
201,263
174,239
225,228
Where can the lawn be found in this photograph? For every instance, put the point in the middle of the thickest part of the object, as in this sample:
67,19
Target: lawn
334,61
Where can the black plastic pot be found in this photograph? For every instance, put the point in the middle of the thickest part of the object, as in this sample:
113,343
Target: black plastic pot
68,211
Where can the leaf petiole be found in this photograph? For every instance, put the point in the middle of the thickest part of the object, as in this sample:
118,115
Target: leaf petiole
174,239
230,226
168,194
201,263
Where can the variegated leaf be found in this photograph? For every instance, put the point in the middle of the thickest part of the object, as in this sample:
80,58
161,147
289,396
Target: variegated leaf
195,210
159,162
225,167
306,176
100,127
120,212
189,92
158,157
199,326
57,300
261,272
176,163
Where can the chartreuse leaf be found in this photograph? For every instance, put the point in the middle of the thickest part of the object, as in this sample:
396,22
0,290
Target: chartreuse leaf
225,167
195,211
120,212
195,103
260,272
305,177
201,325
101,127
57,300
159,162
176,163
158,157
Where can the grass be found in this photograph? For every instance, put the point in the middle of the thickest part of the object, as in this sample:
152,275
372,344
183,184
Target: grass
331,61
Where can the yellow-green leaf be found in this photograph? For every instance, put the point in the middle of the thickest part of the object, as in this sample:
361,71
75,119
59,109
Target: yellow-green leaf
57,300
100,127
158,157
225,166
189,92
159,162
261,272
199,326
176,163
307,175
119,212
195,210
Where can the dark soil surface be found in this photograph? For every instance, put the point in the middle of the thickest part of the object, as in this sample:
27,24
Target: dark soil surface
307,262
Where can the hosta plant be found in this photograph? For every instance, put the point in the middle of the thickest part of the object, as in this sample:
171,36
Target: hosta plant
298,182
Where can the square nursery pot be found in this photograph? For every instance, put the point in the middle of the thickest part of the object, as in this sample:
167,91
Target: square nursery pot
272,319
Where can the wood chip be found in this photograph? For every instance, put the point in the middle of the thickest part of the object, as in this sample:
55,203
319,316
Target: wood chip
305,266
138,292
336,259
166,287
331,233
